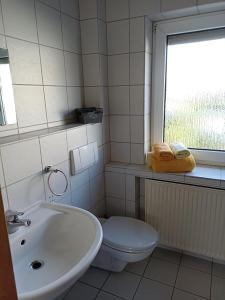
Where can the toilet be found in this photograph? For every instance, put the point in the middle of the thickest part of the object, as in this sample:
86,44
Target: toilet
125,240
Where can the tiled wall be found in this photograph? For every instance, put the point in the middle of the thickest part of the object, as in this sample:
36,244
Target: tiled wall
129,68
45,49
23,181
129,57
43,38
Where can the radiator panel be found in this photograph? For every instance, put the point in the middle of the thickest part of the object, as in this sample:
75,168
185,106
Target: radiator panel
189,218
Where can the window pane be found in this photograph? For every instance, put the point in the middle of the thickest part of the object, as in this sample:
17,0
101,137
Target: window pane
195,94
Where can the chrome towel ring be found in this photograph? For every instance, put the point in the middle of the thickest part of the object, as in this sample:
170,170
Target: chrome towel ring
51,171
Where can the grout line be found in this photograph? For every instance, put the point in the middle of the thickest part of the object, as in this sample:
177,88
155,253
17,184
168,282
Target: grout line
178,270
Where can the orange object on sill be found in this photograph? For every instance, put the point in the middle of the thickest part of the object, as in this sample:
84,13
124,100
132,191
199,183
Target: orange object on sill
163,152
172,166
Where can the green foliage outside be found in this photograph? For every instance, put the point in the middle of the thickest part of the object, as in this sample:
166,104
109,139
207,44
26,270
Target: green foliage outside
198,122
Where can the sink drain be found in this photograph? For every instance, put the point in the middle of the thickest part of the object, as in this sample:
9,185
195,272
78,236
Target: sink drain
36,264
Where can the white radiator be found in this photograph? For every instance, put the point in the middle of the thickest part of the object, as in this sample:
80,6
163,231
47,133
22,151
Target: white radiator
189,218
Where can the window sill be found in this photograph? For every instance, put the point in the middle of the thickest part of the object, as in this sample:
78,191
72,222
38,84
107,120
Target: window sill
202,175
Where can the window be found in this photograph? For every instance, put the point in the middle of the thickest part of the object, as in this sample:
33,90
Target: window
189,86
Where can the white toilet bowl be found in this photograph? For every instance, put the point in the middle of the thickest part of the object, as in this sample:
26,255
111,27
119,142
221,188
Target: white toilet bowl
124,240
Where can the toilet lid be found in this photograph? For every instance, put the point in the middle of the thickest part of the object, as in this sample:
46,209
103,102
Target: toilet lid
128,234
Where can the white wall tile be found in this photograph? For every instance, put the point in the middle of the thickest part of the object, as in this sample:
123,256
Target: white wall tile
26,192
102,37
137,32
77,137
105,127
130,209
176,4
205,6
70,7
17,164
81,197
89,36
145,7
118,69
71,34
137,68
73,69
98,167
79,179
101,9
75,97
30,105
19,19
52,66
56,103
103,80
120,152
92,96
115,185
54,149
137,129
58,183
137,154
24,62
88,9
115,206
120,128
97,190
137,100
118,37
106,152
49,26
52,3
130,187
94,133
117,9
119,100
91,69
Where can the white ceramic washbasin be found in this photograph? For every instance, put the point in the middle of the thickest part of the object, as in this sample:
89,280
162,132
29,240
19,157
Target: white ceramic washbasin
63,240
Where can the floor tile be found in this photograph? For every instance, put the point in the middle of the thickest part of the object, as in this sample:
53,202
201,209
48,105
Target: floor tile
122,284
181,295
95,277
106,296
162,271
196,263
168,255
149,289
138,267
218,288
218,270
81,291
194,281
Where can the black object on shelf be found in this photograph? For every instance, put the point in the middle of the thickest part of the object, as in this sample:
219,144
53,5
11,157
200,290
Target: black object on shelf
89,115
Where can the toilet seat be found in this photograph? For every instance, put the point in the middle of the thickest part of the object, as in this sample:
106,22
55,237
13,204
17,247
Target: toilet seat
128,235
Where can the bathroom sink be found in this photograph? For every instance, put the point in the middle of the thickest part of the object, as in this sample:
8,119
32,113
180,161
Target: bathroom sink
55,251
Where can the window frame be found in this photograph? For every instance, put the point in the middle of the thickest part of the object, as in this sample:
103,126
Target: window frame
161,30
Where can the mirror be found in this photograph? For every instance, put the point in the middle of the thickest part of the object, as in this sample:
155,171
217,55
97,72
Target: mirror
7,105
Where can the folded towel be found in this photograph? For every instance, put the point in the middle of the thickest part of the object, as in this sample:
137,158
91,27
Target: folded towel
173,166
179,150
162,152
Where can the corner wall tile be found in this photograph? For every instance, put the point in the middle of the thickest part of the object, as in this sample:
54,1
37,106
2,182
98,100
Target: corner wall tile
71,34
117,10
70,7
49,26
19,19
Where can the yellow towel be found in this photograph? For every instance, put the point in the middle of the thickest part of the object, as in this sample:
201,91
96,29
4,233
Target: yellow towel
162,152
179,150
173,166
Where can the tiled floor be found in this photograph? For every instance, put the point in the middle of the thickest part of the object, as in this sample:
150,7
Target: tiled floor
166,275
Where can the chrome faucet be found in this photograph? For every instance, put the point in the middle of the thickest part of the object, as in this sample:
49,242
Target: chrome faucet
14,222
